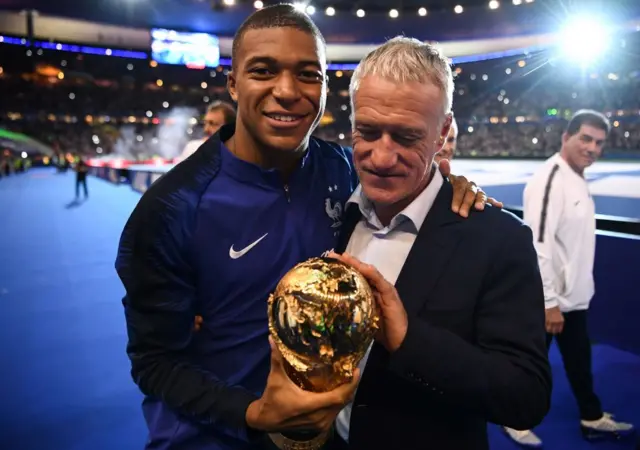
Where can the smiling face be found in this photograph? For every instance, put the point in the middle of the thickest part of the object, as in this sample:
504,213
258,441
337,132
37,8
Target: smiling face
583,148
278,82
398,128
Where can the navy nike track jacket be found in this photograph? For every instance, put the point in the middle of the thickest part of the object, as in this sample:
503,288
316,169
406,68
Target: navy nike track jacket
213,237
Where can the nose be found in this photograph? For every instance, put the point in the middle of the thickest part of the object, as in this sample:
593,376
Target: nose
592,147
383,155
286,88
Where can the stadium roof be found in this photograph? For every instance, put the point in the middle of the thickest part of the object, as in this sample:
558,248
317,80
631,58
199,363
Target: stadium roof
441,23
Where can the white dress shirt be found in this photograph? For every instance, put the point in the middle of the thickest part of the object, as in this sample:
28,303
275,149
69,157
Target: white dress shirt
561,213
190,149
385,248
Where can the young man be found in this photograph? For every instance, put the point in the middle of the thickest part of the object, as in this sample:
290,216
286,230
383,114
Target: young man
215,235
453,354
560,210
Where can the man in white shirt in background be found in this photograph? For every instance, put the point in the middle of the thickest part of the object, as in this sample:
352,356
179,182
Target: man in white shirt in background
561,213
450,144
218,113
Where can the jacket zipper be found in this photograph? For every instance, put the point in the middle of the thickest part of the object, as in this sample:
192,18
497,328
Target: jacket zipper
286,193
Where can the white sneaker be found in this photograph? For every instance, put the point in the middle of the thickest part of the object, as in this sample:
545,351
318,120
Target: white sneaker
525,438
605,427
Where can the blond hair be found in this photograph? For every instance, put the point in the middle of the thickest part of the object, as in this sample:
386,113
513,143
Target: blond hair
403,59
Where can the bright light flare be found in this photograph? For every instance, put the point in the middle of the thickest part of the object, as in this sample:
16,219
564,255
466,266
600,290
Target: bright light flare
584,40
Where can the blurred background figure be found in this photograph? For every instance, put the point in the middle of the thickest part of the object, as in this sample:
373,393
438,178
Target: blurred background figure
449,148
81,178
218,113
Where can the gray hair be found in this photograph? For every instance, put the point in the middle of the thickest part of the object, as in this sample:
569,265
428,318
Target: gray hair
403,59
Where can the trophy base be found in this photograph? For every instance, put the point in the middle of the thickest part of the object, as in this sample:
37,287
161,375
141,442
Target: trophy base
300,440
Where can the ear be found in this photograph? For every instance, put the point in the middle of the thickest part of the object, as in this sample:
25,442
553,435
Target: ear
565,137
231,86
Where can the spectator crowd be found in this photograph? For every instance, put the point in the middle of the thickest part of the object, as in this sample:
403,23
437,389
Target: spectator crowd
97,105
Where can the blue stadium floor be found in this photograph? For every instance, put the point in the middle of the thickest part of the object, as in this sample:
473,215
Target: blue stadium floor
67,385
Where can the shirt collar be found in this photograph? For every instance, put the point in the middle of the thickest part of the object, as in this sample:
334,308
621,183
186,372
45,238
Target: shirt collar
567,168
252,173
415,213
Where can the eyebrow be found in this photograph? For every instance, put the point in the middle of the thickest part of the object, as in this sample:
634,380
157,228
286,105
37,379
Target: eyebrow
395,128
271,61
593,138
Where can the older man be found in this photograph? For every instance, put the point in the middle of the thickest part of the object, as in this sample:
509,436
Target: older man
452,355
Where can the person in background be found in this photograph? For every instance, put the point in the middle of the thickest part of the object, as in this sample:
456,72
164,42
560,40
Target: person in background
82,169
219,113
561,212
449,147
18,164
5,167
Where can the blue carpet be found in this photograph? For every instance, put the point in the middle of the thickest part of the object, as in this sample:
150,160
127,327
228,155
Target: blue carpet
67,383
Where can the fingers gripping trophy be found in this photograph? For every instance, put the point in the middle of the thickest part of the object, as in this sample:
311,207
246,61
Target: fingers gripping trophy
322,319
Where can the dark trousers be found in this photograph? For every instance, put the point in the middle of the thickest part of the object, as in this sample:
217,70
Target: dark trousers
575,348
83,182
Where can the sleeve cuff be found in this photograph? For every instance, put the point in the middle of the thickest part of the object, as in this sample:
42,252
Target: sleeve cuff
548,304
401,359
239,401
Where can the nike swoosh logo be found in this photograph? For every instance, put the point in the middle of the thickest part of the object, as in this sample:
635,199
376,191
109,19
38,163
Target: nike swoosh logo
238,254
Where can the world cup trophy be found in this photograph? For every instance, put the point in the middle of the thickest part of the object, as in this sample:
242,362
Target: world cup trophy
322,318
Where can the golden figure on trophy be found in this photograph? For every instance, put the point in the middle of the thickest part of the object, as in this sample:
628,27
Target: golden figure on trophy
322,318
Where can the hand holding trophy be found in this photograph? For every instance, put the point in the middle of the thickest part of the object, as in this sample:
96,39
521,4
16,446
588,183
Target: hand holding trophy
322,319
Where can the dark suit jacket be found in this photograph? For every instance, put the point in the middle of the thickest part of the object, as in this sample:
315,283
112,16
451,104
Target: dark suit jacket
475,348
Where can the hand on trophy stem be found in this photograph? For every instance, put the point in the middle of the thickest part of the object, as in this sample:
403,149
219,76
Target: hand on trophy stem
286,407
393,317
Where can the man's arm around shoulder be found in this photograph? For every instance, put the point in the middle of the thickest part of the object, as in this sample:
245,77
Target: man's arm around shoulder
155,269
504,376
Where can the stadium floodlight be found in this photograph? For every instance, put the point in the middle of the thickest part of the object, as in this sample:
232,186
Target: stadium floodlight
583,40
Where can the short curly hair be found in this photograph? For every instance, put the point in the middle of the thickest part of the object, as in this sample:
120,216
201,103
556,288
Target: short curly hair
277,16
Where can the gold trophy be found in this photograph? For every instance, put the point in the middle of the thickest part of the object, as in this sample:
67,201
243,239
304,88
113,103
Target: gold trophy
322,318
